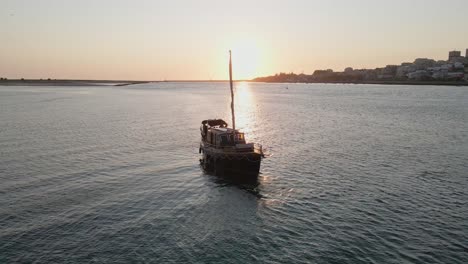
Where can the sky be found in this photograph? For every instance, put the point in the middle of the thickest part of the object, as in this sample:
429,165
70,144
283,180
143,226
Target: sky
190,40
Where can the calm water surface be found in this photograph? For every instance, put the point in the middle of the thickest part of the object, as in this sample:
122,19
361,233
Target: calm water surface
357,174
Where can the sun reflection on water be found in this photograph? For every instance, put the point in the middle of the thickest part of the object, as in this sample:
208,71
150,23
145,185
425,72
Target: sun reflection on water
244,107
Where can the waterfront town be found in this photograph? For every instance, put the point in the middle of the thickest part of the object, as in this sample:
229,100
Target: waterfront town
422,70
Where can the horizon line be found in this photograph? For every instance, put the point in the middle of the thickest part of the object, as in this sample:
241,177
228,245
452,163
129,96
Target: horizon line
116,80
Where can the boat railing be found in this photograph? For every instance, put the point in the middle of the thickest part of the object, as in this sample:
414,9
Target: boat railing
217,146
258,148
209,144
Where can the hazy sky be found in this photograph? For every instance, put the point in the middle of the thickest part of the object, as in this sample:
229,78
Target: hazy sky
156,40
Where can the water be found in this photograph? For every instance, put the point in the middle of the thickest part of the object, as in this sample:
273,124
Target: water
357,174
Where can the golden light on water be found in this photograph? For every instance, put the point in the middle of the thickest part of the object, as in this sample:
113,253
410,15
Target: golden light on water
245,106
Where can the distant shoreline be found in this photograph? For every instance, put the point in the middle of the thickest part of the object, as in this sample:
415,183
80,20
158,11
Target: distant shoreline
66,83
35,82
28,82
437,83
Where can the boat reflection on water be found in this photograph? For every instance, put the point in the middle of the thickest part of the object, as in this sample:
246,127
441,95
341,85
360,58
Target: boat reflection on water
234,177
242,181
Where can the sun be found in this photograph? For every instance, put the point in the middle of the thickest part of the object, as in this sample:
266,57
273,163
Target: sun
245,60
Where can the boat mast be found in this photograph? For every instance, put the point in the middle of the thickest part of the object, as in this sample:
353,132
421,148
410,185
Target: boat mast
232,95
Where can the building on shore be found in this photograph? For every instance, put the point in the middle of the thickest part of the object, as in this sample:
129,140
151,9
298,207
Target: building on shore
454,54
419,75
422,69
388,72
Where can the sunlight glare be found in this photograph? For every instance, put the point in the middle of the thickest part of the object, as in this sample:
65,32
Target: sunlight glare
245,106
245,60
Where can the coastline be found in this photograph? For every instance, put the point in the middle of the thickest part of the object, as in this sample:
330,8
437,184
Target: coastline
68,82
435,83
75,83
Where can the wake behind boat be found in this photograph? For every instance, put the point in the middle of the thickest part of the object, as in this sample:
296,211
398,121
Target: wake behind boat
225,150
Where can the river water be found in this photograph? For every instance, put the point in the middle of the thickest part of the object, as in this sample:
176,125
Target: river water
354,174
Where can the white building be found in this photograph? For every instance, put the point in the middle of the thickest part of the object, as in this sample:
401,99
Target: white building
418,75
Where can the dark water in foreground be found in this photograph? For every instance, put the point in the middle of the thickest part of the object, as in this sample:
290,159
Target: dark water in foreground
358,174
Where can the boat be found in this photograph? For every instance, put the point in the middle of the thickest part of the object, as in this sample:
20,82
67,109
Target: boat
225,150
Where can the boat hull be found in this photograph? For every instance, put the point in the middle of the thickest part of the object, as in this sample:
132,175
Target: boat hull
241,164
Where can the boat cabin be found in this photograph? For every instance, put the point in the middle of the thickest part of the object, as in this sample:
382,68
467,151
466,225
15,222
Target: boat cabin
216,132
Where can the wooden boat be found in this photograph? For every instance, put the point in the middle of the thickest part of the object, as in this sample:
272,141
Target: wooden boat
224,149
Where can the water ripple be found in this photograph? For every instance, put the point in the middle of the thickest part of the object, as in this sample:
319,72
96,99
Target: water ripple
360,173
